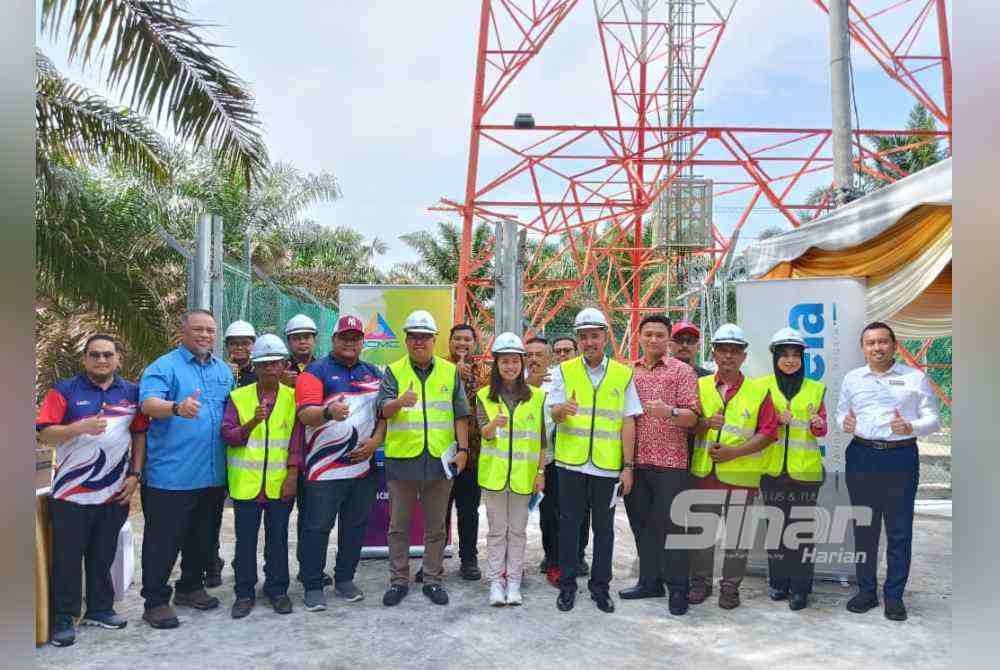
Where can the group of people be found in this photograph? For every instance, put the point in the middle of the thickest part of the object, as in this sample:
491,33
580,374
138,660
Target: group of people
274,427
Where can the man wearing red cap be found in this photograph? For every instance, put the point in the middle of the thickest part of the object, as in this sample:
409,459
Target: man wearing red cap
335,397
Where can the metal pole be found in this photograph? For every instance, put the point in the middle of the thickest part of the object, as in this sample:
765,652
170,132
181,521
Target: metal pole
840,92
218,295
203,263
248,299
508,274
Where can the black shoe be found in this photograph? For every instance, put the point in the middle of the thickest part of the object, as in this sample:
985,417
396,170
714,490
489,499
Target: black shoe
63,632
241,607
327,580
862,602
895,610
437,594
776,594
603,600
470,571
566,599
798,601
282,604
419,578
640,591
582,569
543,567
395,594
678,603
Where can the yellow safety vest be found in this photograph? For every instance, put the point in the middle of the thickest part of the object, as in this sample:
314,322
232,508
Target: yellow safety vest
740,425
511,457
805,460
264,459
430,424
595,433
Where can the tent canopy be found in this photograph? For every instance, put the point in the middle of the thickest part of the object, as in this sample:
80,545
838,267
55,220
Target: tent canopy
898,239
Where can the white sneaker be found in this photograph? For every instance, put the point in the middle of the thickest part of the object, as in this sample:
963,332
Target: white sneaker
513,593
497,596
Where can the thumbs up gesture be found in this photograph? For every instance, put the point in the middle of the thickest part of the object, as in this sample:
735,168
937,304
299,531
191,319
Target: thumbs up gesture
815,420
260,414
409,399
850,421
188,408
716,421
500,420
785,417
339,409
94,425
464,370
657,408
571,406
899,425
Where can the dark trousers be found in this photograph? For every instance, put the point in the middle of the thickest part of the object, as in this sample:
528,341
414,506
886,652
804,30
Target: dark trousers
84,535
248,515
578,491
177,521
734,563
300,500
786,569
215,564
548,518
346,503
648,508
886,481
466,496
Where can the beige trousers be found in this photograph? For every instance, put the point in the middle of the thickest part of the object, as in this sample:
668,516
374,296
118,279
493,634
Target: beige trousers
507,514
434,500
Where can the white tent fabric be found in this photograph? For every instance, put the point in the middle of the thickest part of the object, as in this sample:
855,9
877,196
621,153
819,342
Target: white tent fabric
857,221
862,220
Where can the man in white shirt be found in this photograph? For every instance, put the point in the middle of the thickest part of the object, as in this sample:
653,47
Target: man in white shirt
579,450
886,405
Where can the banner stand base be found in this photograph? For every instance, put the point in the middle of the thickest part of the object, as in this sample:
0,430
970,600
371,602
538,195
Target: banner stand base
416,551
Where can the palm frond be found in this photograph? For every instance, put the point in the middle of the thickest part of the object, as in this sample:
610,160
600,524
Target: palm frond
150,51
74,124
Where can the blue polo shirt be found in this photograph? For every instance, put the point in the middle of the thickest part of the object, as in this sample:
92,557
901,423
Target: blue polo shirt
185,454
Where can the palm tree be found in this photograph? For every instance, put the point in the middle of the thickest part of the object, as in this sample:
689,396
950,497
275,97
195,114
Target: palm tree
439,251
149,51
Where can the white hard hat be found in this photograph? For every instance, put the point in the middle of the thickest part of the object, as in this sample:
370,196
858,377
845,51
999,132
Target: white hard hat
420,321
590,317
507,343
268,348
239,329
787,336
730,333
300,323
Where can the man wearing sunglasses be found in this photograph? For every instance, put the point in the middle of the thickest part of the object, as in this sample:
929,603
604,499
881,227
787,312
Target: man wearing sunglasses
93,421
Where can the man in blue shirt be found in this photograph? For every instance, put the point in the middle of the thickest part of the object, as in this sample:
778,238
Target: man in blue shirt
184,393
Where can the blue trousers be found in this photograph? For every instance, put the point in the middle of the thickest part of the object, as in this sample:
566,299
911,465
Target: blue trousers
348,499
886,481
248,515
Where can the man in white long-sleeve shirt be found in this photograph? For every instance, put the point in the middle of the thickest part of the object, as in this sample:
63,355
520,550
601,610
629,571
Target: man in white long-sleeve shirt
886,405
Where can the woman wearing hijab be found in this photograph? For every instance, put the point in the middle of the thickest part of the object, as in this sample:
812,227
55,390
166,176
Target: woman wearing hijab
511,464
794,469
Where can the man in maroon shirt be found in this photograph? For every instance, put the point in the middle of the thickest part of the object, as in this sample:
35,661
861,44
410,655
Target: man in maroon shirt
668,390
729,346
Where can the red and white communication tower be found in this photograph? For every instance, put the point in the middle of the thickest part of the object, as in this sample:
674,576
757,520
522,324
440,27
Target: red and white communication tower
587,194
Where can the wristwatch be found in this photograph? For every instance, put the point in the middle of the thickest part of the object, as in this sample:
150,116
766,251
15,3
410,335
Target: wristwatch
628,466
134,473
541,471
674,411
173,409
463,450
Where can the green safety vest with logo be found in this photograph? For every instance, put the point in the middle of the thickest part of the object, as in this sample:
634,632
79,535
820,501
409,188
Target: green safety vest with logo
430,424
804,460
740,414
264,458
511,457
594,433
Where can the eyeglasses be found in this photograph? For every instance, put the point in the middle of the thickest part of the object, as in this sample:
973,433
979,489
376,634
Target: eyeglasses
687,341
98,355
567,350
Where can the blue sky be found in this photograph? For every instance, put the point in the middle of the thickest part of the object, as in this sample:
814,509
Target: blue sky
379,93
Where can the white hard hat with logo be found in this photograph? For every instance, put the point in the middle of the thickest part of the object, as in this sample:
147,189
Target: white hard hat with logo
239,329
730,333
268,348
787,336
420,321
590,317
507,343
300,323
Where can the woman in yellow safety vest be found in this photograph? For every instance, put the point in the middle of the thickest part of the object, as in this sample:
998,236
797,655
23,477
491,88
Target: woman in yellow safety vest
793,471
511,464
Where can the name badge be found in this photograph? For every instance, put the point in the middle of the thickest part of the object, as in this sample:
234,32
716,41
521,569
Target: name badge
897,382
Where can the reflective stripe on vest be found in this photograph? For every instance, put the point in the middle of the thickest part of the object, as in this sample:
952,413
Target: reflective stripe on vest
430,424
511,457
264,458
594,434
805,460
740,415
